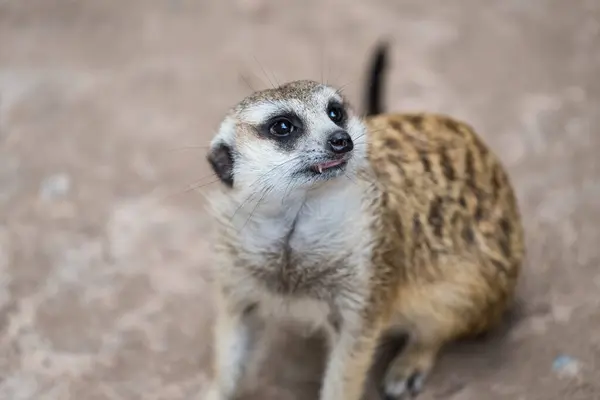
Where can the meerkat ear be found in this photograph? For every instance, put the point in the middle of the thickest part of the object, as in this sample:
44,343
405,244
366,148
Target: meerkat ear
220,158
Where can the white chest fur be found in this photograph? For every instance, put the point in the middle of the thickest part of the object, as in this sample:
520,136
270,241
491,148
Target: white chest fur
316,226
320,239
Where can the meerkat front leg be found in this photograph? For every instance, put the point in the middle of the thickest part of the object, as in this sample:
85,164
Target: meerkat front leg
350,357
232,340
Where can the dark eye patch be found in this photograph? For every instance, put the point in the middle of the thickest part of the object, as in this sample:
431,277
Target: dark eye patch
283,128
336,112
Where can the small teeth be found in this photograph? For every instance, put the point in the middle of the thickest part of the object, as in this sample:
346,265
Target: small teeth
320,169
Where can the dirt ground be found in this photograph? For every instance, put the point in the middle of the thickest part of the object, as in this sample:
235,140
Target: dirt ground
105,107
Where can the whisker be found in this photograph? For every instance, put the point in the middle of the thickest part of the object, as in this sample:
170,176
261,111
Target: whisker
264,72
269,189
275,78
369,132
338,76
350,179
247,82
360,136
328,73
285,192
198,186
322,60
246,200
184,148
259,179
340,88
265,192
194,186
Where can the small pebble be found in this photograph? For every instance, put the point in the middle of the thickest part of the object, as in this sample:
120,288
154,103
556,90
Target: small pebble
55,186
566,366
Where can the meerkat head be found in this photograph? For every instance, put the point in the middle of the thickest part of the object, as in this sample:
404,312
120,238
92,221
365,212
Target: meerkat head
295,136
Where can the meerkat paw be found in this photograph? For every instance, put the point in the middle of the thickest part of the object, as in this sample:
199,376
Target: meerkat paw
406,375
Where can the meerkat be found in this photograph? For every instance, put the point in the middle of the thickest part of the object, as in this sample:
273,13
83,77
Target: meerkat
359,226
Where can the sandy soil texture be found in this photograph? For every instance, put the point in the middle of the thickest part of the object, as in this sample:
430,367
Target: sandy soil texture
105,107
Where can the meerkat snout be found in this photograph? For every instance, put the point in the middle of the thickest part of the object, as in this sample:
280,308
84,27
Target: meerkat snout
340,142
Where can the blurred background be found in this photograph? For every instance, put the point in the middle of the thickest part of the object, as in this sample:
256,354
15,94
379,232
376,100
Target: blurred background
105,111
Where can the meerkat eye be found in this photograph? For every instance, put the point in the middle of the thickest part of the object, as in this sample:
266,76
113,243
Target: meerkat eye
282,127
335,113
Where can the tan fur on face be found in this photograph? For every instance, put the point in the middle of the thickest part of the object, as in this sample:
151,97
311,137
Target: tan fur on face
423,238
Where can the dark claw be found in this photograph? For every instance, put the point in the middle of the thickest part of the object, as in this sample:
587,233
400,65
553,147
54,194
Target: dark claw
414,386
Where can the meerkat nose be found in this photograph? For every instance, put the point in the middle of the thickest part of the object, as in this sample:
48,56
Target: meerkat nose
340,142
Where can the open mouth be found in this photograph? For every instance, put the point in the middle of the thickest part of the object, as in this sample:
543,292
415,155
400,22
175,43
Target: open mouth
328,165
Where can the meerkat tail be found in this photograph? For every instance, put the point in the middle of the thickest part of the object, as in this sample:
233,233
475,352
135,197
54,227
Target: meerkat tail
375,80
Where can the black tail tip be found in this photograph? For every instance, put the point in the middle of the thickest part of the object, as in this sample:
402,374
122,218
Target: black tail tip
374,100
380,56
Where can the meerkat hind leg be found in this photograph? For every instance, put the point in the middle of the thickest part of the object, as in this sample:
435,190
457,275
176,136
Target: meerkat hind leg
408,371
464,303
